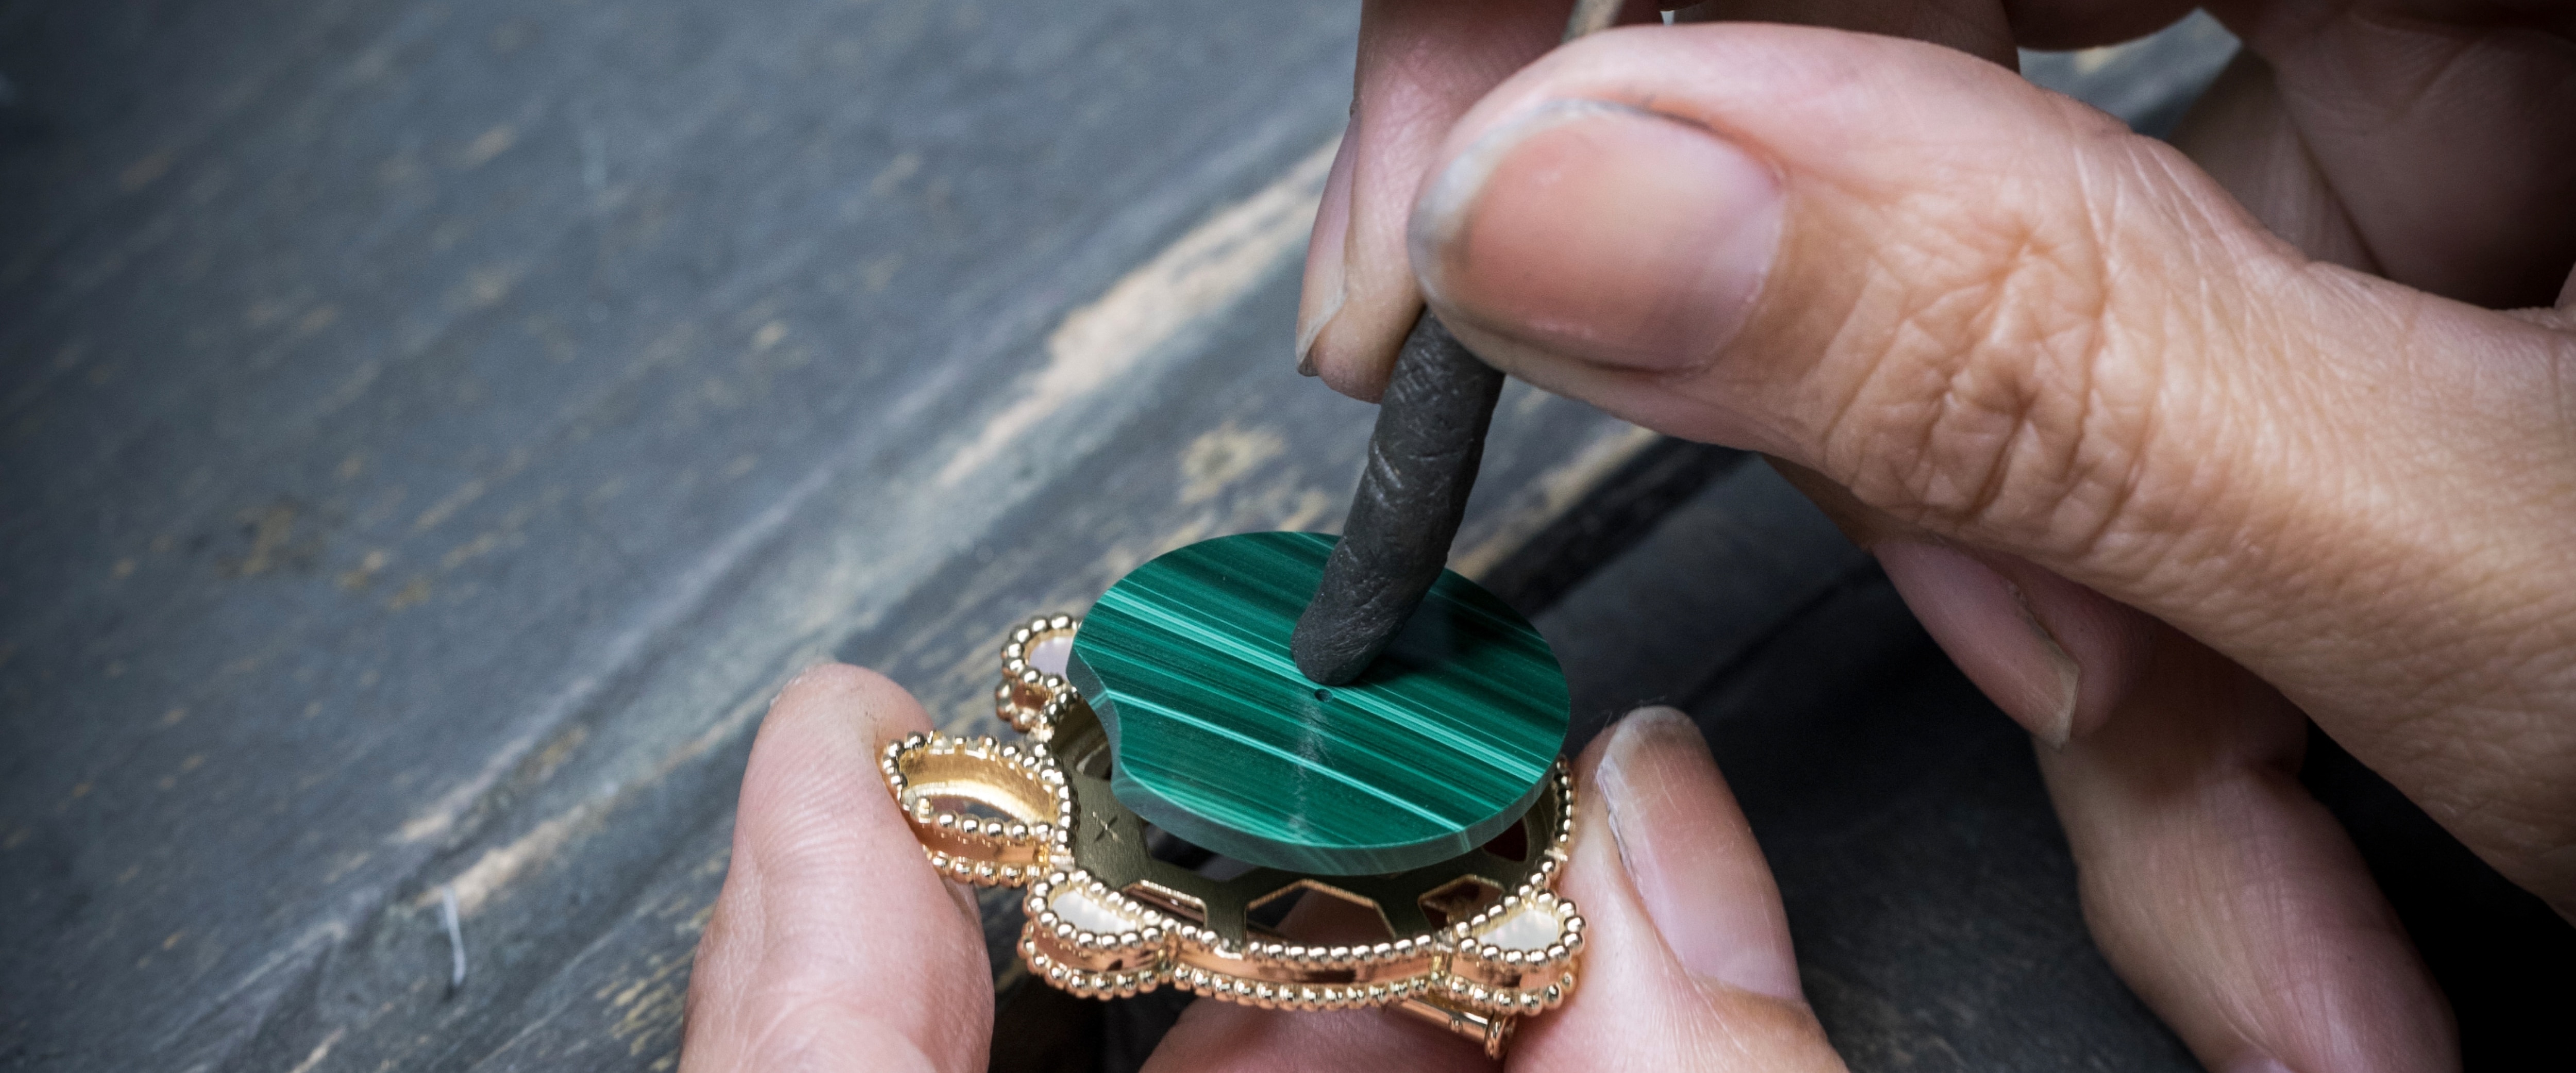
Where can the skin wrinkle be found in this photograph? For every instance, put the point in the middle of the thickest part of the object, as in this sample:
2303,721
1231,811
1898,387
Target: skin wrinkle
1991,405
2188,217
2245,779
724,935
1920,424
2084,357
2113,335
2252,529
2459,562
1911,327
2160,400
1830,432
2023,414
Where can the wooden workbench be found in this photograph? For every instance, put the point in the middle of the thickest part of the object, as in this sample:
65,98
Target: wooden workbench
433,432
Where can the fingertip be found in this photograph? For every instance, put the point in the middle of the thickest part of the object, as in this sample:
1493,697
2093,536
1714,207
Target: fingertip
1986,624
834,944
829,709
838,690
2056,656
1691,857
1355,354
1420,66
1320,295
1601,233
1688,963
2229,899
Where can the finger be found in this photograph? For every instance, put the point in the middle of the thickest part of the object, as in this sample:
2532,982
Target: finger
1689,964
1421,64
2055,656
2217,886
2240,133
1976,27
1999,318
1987,29
2225,895
834,945
2445,133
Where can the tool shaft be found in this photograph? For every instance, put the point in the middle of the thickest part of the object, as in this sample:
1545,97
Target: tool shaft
1422,460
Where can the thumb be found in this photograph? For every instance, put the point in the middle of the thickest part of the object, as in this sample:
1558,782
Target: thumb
1689,965
834,945
1996,317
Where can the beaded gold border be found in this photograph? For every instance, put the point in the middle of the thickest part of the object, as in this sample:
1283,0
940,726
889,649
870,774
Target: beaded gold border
1457,975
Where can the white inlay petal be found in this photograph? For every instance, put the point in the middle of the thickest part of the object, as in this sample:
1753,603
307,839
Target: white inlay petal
1081,910
1049,655
1527,928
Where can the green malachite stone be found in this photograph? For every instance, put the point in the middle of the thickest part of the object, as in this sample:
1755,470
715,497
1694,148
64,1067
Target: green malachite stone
1219,740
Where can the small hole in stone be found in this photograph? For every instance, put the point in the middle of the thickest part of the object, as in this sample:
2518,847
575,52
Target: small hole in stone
1324,694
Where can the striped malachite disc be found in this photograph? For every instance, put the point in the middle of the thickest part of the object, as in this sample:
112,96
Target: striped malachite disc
1218,738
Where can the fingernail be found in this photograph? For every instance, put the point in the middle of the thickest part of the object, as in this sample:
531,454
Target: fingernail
1322,293
1690,857
2257,1063
1985,622
1602,233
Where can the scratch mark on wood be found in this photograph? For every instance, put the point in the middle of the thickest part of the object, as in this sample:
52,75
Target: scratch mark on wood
357,578
652,1006
473,489
896,171
501,864
346,865
441,816
1223,455
411,595
489,144
321,1051
1214,264
487,285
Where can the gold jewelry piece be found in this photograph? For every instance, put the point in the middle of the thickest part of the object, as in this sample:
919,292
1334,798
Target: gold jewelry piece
1475,942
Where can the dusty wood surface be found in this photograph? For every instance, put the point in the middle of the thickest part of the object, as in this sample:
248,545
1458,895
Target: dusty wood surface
432,432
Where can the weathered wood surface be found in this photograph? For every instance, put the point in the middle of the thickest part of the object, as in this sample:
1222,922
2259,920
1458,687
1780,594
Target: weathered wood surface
432,432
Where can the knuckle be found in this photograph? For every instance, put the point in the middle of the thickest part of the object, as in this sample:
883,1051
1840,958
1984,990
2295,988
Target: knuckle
1997,388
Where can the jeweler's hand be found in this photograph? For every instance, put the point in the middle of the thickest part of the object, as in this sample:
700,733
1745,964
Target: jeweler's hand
2156,478
835,947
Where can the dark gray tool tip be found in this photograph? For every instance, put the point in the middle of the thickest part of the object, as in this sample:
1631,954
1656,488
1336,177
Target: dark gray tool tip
1422,460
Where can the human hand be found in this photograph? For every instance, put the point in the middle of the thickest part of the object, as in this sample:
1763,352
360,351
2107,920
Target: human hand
834,946
2157,479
